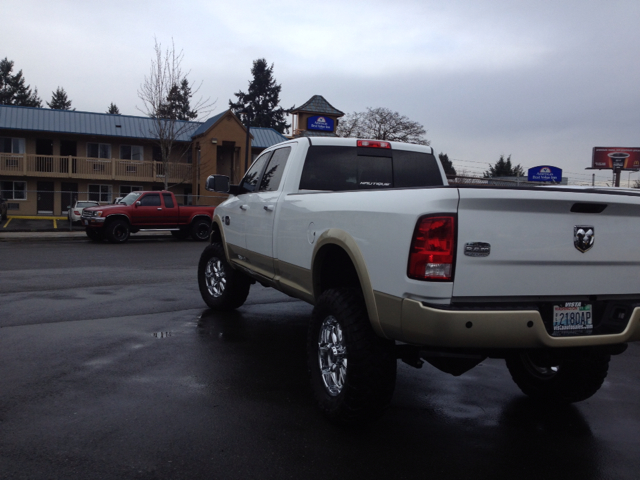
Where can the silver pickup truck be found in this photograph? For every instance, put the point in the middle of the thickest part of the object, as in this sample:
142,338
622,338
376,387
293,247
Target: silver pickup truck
400,265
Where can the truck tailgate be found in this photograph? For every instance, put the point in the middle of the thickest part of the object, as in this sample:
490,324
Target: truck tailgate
531,243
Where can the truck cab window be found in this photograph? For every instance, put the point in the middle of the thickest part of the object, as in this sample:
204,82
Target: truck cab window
252,177
150,200
273,173
168,200
337,168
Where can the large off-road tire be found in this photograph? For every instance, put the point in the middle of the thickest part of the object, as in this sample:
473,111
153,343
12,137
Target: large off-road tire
94,234
565,380
222,287
352,370
118,231
200,229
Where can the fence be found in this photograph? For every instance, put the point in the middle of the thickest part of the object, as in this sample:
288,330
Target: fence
51,166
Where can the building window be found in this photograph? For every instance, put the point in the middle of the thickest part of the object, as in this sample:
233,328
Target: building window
131,152
98,150
14,190
127,189
100,193
11,145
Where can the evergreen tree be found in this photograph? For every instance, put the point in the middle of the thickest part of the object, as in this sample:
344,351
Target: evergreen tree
13,90
503,168
177,106
113,109
262,99
59,100
447,164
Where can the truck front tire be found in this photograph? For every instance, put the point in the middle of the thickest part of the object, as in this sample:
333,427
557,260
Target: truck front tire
222,288
565,380
118,231
351,369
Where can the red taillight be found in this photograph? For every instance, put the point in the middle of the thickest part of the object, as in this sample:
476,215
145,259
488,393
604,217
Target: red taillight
76,212
373,144
432,249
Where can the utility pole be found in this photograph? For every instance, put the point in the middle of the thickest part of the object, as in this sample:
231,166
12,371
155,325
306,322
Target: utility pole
247,115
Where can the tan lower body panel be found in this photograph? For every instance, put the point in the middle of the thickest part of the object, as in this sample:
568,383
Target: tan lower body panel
494,329
290,279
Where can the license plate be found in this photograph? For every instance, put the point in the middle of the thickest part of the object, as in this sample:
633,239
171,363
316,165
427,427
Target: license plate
86,222
572,318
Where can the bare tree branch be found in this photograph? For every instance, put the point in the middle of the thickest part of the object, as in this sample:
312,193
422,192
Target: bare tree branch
166,73
382,124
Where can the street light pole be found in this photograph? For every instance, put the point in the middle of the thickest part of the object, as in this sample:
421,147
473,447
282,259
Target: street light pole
247,116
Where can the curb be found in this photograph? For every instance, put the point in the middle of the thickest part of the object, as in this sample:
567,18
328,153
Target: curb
53,236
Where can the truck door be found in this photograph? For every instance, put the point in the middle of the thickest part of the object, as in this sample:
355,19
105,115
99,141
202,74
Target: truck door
236,209
147,211
260,214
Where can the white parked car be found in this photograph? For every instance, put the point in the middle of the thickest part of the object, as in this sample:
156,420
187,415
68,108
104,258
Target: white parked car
74,213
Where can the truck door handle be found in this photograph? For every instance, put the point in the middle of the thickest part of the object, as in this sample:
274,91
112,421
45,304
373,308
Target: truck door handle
159,208
268,208
244,207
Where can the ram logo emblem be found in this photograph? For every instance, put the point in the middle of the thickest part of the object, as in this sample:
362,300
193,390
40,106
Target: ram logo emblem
583,237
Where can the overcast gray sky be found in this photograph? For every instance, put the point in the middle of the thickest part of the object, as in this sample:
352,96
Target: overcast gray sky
542,81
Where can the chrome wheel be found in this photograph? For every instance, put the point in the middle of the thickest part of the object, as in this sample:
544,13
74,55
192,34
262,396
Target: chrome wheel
332,356
215,277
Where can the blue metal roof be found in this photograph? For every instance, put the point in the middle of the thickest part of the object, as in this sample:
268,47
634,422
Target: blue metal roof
104,124
84,123
265,137
208,124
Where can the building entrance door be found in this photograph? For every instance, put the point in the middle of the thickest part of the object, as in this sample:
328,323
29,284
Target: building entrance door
68,152
44,155
45,197
224,163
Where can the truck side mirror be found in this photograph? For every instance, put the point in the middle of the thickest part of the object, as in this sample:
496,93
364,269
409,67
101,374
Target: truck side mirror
218,183
137,203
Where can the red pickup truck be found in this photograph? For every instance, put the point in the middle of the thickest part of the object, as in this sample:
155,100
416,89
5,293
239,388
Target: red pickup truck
157,210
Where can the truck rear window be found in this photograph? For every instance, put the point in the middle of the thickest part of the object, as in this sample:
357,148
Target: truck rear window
337,168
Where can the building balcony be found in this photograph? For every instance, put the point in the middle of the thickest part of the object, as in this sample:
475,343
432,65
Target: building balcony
49,166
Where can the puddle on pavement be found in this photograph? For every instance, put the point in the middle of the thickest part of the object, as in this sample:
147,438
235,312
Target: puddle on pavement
225,326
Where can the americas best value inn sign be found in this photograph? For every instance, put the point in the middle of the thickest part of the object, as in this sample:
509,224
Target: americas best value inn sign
321,124
616,157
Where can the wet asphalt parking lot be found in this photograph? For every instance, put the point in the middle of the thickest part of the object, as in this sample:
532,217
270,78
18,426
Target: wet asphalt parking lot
112,367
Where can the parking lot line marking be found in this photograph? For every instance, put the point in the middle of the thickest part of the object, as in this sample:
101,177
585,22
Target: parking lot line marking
38,217
5,225
55,224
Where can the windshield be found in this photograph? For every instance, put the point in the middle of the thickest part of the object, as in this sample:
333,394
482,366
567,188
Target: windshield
131,198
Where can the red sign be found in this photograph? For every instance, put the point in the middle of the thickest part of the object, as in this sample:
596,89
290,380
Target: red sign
616,157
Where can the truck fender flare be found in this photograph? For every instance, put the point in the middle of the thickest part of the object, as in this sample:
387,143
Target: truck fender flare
117,216
217,222
198,216
340,238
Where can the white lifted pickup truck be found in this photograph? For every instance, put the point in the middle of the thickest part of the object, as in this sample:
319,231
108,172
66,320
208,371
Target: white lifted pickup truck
400,265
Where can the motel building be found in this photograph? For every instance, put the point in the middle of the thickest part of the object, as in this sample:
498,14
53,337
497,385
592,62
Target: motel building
49,158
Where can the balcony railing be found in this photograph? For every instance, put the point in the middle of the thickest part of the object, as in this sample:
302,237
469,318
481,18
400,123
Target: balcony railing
50,166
